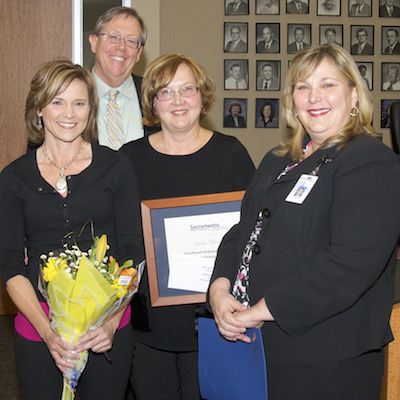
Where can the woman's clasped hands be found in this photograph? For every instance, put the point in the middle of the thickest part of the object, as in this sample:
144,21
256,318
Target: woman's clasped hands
232,317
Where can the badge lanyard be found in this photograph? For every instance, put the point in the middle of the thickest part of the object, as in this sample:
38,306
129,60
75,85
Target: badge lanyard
306,182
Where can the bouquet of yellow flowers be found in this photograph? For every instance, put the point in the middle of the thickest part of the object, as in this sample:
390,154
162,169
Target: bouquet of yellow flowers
82,290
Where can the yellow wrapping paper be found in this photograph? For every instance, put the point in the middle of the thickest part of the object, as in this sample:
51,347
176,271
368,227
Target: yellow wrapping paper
79,304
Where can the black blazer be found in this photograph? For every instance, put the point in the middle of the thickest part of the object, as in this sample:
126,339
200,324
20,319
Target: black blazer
230,123
396,49
367,50
324,267
383,12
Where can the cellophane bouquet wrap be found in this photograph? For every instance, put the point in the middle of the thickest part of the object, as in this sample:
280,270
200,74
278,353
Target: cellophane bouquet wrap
82,290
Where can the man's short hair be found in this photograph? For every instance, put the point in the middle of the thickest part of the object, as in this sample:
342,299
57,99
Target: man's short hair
118,12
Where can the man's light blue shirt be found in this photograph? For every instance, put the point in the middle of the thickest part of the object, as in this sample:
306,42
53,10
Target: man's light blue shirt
128,103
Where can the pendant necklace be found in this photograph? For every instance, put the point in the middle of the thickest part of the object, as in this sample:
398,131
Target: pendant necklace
61,184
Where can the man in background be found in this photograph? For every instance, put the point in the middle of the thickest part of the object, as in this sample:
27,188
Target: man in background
329,7
268,44
297,7
360,8
236,44
117,44
389,10
267,7
235,81
363,72
239,7
362,48
392,38
330,36
266,80
298,43
392,77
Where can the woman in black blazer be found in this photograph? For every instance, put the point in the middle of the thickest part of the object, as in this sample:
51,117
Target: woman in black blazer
312,258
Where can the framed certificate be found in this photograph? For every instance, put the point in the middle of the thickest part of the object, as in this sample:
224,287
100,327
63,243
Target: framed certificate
181,237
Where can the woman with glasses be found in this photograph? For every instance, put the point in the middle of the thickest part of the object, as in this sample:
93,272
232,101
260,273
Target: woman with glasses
312,259
182,159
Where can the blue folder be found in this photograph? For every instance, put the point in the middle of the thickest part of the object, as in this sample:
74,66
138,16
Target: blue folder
230,370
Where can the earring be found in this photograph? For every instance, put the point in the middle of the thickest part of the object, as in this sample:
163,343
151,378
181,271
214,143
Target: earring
39,123
354,112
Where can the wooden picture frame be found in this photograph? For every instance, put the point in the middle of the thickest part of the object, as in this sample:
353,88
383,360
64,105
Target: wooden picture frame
179,223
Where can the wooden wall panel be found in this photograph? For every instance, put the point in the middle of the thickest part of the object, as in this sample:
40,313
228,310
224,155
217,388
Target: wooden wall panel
392,373
32,32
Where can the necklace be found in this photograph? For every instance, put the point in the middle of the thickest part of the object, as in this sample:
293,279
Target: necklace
61,183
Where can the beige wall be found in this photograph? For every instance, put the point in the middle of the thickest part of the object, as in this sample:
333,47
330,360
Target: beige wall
196,28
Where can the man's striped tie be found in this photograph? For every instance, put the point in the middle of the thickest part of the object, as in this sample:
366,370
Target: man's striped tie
114,121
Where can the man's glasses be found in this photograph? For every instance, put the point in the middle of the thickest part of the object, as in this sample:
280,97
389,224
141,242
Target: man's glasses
167,93
115,38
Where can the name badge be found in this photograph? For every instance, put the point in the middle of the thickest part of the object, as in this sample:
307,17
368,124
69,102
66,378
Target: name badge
302,188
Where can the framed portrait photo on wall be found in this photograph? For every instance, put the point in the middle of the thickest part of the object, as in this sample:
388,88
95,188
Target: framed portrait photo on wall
297,7
385,111
390,40
362,40
332,34
236,7
367,72
389,8
267,113
329,7
299,37
236,74
267,38
235,113
390,80
235,37
267,7
268,75
360,8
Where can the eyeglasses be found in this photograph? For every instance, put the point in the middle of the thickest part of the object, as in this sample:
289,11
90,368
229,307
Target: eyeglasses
115,38
167,93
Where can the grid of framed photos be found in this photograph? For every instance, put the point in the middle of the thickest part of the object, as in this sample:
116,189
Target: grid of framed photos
260,37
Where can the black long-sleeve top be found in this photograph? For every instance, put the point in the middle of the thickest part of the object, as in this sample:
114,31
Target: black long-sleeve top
35,216
222,165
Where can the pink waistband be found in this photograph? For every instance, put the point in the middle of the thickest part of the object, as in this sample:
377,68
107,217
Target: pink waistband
25,329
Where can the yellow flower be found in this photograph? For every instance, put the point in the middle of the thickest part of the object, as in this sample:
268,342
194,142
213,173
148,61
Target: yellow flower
121,290
53,265
101,248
